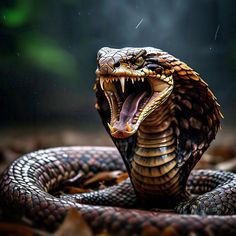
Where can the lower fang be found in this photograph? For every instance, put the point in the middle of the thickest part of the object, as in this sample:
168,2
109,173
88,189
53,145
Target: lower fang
111,128
128,127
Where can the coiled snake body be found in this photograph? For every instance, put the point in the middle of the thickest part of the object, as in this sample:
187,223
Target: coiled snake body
162,117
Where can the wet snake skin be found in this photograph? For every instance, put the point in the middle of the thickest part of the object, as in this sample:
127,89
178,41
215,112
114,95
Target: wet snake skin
161,127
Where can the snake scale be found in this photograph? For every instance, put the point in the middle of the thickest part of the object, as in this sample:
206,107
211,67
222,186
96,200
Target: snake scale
161,117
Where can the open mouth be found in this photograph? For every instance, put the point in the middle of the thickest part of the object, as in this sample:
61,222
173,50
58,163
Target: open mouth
132,99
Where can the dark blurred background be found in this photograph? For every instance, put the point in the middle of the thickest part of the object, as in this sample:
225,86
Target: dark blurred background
48,52
48,61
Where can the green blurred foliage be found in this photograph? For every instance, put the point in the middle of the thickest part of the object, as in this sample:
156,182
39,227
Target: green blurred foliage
47,55
34,48
48,49
17,15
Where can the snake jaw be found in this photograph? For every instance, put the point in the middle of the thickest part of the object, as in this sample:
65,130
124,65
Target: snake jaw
132,86
132,96
127,132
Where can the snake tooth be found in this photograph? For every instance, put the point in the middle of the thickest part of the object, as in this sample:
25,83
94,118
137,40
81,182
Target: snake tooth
122,82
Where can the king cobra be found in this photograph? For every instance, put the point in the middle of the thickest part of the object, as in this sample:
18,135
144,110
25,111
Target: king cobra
161,117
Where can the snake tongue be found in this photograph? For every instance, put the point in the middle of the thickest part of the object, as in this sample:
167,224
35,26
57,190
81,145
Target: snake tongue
129,109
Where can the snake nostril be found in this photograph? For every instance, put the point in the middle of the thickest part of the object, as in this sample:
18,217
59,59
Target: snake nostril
117,64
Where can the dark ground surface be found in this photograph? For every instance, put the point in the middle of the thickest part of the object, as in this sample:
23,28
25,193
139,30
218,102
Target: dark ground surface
17,141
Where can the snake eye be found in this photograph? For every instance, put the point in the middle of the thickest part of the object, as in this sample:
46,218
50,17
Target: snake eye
117,64
139,61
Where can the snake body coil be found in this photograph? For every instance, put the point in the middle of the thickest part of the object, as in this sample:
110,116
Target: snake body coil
161,116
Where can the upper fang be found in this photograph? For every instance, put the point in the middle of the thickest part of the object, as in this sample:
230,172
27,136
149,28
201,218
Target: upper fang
101,83
122,82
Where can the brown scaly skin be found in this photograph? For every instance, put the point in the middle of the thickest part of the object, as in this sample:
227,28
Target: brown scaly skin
159,147
169,138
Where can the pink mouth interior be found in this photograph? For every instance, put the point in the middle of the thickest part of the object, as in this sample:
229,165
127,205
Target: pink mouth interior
130,109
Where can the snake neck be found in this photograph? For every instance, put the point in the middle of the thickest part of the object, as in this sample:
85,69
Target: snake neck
155,173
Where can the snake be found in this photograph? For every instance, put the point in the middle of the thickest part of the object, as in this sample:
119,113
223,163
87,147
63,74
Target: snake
161,116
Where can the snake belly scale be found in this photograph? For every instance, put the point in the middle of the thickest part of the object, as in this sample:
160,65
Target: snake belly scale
162,117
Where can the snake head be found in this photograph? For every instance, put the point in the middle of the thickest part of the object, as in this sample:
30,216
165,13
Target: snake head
132,82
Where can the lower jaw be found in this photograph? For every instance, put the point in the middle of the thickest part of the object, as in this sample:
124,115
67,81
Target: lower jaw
121,134
135,108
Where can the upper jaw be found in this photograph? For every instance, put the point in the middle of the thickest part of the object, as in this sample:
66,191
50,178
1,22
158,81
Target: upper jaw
143,92
123,71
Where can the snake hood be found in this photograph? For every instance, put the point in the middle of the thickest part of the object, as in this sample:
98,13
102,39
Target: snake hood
132,83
